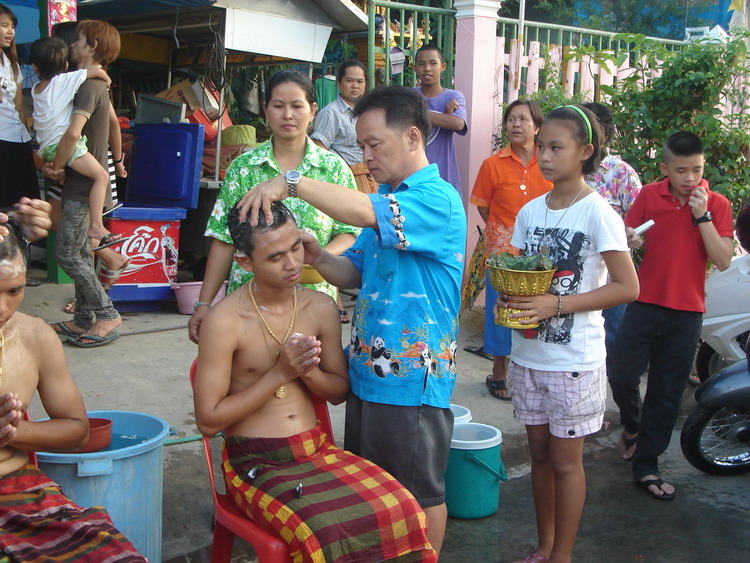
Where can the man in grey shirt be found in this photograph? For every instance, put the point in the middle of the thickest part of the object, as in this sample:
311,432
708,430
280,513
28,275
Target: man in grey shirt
334,126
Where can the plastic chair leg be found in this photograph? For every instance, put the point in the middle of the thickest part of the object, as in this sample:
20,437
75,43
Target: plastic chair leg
221,549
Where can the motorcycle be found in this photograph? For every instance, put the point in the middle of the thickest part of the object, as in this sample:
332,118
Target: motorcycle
726,324
715,436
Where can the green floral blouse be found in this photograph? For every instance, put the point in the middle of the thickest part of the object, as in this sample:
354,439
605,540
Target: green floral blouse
250,169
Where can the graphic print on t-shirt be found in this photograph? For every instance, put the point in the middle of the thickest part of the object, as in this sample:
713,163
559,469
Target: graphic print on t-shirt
566,252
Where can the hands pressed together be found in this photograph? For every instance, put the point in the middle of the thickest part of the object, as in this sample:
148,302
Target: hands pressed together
11,413
299,355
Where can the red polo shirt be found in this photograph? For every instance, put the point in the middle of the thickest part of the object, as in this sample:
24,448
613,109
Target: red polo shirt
673,272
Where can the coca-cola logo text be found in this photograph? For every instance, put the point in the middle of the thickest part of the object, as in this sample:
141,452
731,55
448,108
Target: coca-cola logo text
143,246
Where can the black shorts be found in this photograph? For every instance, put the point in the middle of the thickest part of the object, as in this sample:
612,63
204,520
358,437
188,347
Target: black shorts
411,443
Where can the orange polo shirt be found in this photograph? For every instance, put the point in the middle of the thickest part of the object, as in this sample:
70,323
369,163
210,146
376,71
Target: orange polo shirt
498,187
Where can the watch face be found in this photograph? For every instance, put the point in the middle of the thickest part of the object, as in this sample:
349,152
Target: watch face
292,176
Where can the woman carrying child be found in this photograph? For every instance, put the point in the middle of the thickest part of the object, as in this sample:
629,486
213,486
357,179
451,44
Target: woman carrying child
557,371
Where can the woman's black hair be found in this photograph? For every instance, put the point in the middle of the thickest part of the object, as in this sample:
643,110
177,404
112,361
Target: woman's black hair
587,131
537,115
604,115
11,51
284,76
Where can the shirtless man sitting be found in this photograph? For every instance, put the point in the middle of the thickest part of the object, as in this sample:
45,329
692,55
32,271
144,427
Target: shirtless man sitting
263,350
38,522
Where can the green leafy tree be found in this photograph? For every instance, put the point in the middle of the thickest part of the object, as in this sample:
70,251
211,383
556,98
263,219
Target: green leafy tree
656,19
702,89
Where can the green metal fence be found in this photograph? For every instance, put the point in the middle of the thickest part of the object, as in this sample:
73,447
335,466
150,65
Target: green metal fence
414,24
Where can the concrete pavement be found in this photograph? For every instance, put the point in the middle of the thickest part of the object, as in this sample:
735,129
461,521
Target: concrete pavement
146,370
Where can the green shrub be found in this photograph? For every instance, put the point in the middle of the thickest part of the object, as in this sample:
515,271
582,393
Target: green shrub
685,91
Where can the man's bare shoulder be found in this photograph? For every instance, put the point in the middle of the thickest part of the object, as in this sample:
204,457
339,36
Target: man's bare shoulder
31,329
317,304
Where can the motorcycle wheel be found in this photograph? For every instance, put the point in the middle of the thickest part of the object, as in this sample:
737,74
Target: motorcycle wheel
717,440
708,362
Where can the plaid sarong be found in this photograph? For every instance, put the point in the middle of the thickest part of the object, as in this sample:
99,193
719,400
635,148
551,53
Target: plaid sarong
347,508
38,523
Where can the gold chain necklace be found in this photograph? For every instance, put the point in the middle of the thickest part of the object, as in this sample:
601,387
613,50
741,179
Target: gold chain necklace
281,391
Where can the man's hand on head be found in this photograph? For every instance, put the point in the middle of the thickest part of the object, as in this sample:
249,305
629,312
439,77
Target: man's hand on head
34,217
312,247
261,197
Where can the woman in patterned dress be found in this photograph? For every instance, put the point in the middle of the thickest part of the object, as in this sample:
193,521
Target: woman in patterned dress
290,109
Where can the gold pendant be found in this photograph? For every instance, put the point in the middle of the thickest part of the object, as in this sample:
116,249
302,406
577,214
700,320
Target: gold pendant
281,392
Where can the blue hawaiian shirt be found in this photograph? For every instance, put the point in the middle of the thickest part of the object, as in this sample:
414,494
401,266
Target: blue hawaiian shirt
403,344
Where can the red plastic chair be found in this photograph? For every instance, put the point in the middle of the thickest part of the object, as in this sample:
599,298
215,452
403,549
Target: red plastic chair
229,521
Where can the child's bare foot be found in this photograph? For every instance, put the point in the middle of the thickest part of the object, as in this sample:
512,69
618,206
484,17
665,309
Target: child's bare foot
97,232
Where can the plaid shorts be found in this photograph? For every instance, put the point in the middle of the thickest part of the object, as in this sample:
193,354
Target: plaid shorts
571,402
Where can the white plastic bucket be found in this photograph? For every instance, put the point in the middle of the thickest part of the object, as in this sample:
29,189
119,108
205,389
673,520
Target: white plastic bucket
461,415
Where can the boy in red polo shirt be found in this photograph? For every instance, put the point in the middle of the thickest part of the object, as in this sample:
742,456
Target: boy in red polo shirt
661,329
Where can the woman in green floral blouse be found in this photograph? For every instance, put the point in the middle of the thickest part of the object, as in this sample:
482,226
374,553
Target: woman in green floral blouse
290,108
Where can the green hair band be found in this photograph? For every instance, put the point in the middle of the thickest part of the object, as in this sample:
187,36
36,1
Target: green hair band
585,120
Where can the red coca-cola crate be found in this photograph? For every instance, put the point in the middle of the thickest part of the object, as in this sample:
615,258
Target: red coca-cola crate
152,251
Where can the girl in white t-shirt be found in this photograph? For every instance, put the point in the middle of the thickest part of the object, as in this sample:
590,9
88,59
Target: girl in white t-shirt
557,374
53,98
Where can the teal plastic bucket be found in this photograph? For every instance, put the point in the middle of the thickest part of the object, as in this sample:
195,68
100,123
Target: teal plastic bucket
461,415
126,477
472,479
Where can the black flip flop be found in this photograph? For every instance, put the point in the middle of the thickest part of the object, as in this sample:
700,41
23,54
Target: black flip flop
495,386
107,240
657,483
479,351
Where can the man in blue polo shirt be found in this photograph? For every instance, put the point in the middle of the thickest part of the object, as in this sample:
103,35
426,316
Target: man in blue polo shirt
408,262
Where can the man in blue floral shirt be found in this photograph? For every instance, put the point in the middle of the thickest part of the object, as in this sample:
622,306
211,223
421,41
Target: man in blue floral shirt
408,262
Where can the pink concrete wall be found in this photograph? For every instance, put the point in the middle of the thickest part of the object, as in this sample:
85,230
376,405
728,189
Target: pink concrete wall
475,77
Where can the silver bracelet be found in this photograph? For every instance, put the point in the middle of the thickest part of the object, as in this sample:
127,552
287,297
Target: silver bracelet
559,305
200,303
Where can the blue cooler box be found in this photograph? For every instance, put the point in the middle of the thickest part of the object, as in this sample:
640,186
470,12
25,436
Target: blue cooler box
163,182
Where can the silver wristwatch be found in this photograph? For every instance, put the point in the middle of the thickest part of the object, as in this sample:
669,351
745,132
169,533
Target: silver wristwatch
292,179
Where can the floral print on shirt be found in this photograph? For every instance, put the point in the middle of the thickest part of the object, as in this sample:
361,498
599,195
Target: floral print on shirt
617,183
250,169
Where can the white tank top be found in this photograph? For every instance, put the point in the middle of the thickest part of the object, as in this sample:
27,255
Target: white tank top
11,128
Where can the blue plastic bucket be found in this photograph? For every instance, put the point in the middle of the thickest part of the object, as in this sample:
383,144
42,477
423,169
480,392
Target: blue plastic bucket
472,479
461,415
126,477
